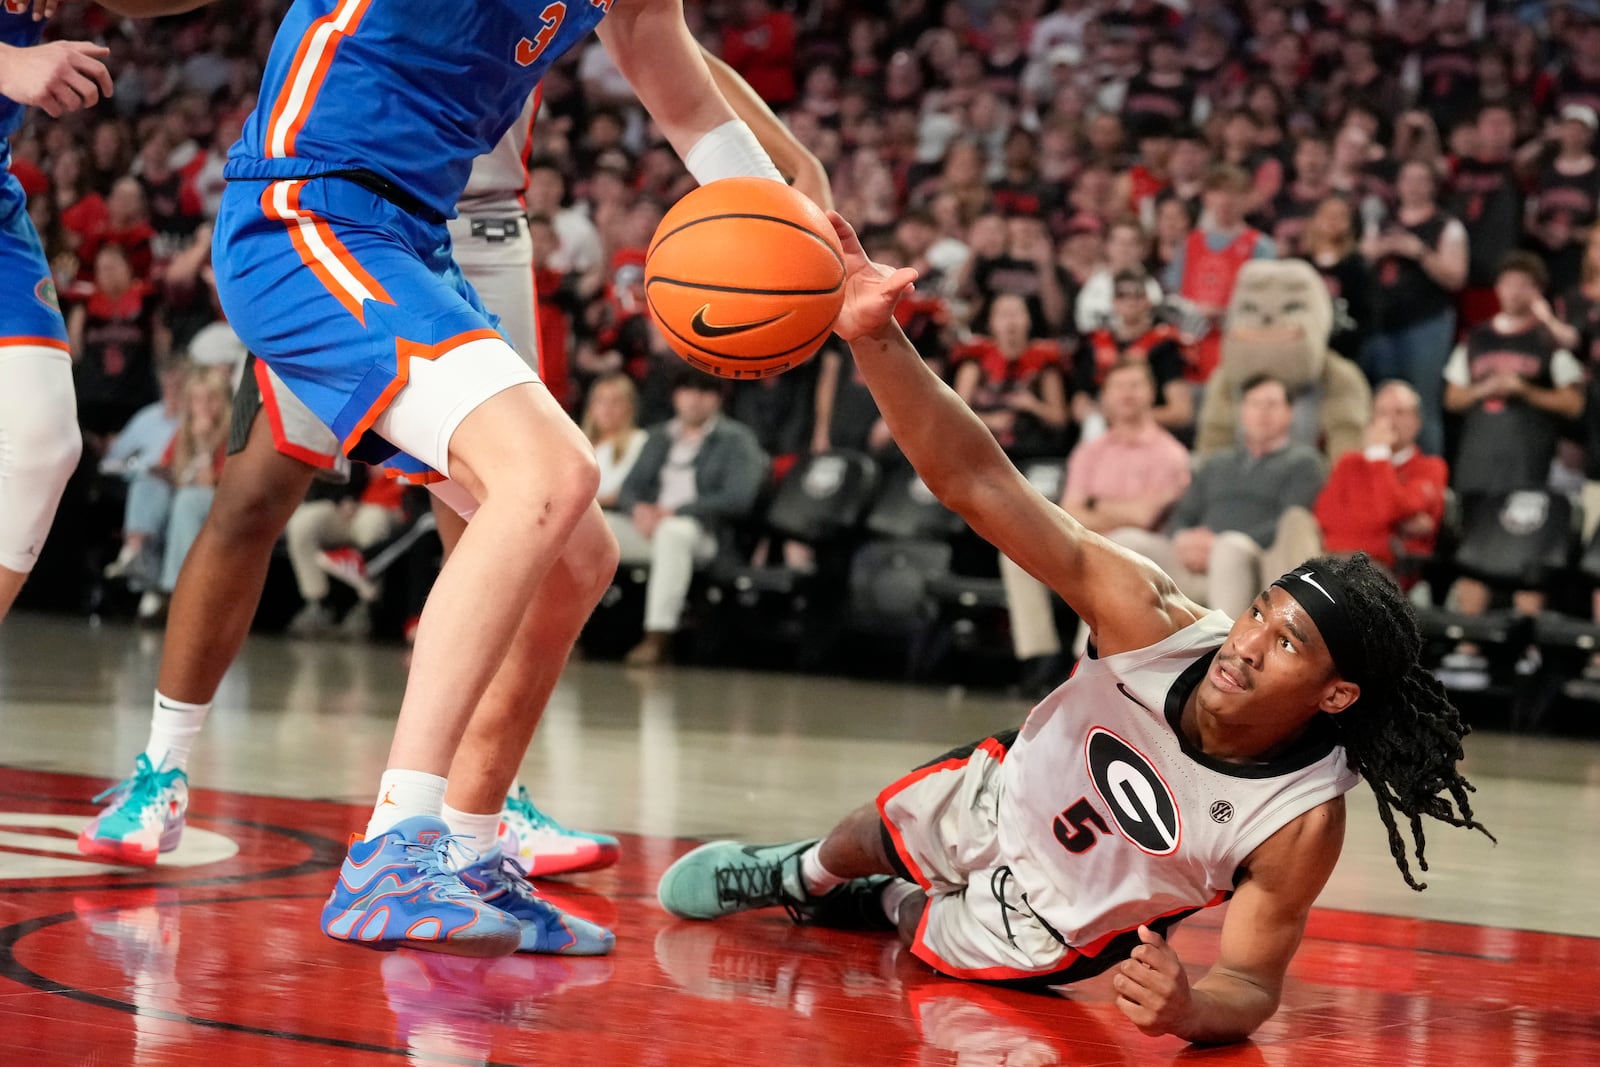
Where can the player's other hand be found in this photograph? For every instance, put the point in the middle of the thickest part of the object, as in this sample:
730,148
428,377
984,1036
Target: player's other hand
1152,987
871,290
43,9
58,77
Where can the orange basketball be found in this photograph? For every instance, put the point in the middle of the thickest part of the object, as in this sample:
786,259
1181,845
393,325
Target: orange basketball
745,277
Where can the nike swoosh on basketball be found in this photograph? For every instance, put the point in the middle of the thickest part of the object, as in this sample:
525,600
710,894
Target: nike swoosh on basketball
705,329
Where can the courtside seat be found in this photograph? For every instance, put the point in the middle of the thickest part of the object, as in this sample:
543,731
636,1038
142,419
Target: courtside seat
820,504
1572,640
970,612
907,510
1518,540
1509,541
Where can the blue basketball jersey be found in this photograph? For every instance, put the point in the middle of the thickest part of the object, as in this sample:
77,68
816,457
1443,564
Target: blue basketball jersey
406,89
17,29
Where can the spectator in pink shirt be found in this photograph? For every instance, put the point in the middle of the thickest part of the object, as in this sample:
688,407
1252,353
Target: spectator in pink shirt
1131,475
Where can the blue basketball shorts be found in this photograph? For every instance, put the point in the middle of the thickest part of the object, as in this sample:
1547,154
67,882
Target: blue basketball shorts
348,298
29,314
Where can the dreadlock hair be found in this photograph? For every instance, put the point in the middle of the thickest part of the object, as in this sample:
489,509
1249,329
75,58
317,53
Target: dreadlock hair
1403,735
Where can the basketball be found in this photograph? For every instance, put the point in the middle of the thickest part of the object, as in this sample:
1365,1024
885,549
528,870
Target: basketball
745,277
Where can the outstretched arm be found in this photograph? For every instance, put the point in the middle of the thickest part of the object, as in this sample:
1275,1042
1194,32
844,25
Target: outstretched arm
793,159
1125,599
653,48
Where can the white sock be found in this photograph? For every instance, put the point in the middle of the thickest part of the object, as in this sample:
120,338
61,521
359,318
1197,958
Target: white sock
173,727
895,894
817,878
404,795
478,832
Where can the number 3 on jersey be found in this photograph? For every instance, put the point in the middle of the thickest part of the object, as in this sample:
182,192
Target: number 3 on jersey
528,52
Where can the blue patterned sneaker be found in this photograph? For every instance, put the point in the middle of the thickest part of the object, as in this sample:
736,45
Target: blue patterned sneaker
725,877
498,880
144,819
542,846
399,891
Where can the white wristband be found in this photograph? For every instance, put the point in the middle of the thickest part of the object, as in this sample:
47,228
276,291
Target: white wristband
729,151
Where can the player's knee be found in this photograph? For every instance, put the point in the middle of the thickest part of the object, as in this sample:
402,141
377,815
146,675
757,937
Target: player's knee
45,454
246,512
555,487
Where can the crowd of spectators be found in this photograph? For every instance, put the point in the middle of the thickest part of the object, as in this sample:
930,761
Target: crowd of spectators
1078,183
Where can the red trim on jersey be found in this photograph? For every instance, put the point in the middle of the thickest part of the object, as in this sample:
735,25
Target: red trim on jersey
527,145
41,342
280,439
995,750
1099,944
1000,973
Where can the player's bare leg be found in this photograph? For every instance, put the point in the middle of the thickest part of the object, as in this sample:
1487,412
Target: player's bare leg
534,476
219,587
838,881
212,607
502,726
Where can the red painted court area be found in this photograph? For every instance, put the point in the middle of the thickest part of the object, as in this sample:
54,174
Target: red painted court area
222,962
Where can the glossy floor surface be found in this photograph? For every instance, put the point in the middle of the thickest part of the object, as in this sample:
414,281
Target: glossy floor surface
215,957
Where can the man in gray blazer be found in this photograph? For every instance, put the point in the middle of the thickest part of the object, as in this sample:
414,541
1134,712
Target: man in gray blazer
699,472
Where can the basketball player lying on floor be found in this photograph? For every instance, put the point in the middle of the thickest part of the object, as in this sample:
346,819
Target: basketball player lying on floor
1192,759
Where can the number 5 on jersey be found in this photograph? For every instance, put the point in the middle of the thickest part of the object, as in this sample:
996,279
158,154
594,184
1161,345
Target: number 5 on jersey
1075,828
528,52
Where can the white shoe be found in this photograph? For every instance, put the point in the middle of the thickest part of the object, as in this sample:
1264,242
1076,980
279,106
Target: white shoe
151,605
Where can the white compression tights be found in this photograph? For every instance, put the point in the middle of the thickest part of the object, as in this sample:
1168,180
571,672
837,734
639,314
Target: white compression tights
39,447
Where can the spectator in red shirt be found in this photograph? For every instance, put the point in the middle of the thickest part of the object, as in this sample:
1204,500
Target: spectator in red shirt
1207,265
761,48
1016,386
127,225
112,336
1389,498
83,211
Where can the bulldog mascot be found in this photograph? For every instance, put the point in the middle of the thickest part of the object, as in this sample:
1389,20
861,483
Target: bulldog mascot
1278,323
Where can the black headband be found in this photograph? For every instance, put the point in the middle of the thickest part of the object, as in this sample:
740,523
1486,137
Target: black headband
1323,598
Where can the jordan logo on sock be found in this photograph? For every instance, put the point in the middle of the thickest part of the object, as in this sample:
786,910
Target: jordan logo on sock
386,797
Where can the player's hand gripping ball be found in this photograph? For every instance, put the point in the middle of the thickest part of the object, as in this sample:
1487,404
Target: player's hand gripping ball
745,277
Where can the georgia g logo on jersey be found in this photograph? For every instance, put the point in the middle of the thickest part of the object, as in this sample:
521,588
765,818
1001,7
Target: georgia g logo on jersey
1133,791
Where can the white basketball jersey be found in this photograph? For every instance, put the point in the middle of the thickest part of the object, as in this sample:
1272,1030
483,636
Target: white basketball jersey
500,176
1108,816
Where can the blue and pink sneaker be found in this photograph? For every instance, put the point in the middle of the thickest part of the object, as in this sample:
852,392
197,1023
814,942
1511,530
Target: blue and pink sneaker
499,880
144,819
399,890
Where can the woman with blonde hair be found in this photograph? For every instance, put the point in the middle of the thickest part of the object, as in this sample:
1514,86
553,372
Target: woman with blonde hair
167,505
611,423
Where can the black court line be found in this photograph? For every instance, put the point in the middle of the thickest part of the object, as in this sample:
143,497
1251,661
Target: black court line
326,855
12,968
